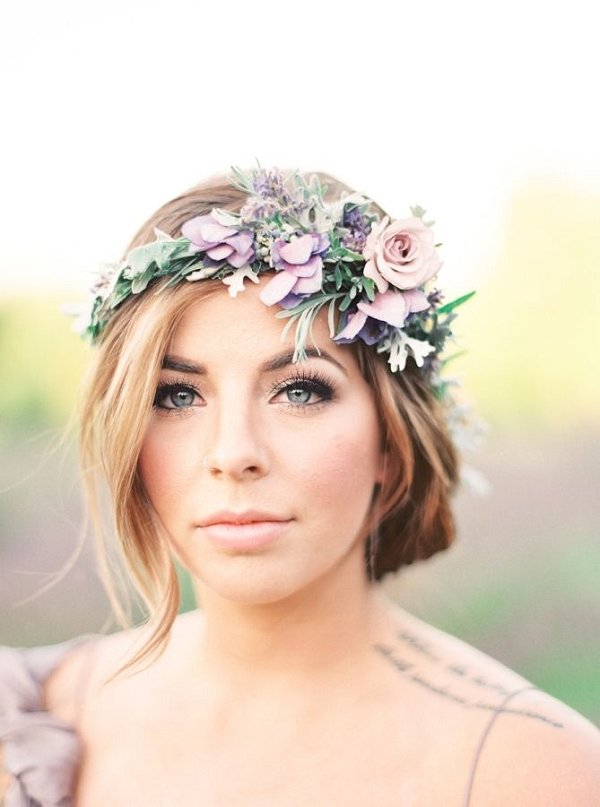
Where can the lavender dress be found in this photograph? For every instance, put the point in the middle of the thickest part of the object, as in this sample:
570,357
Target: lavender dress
41,752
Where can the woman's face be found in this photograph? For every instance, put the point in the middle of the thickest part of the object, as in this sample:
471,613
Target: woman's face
262,471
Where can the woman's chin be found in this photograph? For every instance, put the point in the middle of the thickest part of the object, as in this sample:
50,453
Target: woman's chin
246,586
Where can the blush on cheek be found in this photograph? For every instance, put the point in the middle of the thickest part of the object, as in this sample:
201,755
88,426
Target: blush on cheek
165,467
347,465
352,449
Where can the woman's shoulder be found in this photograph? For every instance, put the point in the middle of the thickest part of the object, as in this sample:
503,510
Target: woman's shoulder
44,691
83,673
26,671
40,750
525,746
540,751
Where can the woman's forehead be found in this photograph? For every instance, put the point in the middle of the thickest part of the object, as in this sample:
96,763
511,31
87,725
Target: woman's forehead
223,328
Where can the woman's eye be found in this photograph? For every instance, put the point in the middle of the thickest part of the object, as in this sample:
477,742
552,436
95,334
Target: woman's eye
304,392
175,396
299,395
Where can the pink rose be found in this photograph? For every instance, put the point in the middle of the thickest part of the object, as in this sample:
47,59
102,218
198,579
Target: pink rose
401,254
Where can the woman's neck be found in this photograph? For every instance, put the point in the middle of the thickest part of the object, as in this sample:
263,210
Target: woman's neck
316,631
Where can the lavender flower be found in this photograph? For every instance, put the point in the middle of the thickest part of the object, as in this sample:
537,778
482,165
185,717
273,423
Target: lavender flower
271,197
358,227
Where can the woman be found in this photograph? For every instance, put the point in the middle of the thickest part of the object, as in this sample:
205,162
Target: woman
288,470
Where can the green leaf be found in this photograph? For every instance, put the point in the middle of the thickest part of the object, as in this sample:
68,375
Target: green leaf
309,303
369,287
346,302
448,359
140,282
445,309
158,252
352,257
120,293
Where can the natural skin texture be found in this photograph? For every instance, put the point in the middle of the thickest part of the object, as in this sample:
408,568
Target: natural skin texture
312,463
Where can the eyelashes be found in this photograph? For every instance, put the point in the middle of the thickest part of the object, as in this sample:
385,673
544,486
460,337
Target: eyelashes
302,386
177,396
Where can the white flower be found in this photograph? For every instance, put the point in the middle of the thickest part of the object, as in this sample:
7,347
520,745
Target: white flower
475,480
399,346
468,431
235,281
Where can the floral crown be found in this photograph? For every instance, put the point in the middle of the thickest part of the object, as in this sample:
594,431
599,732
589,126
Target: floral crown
375,274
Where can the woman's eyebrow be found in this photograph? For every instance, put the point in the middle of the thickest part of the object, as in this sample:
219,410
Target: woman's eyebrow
284,359
182,365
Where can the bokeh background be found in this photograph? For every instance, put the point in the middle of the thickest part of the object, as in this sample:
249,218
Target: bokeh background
483,113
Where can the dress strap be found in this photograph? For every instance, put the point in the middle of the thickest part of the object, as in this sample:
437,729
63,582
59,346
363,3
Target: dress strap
483,739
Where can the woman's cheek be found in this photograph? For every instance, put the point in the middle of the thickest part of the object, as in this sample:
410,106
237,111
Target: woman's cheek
164,466
344,464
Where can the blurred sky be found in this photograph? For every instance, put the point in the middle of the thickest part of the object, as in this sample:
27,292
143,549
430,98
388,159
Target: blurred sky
111,108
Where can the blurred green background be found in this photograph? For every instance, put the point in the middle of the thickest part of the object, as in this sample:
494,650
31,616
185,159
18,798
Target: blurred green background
522,581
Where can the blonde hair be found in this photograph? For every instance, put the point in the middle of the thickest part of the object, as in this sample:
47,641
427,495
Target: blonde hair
411,517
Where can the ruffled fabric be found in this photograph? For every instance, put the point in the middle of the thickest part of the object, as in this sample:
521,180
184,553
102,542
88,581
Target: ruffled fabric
41,752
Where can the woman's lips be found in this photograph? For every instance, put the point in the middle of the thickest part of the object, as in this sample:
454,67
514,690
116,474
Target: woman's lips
243,531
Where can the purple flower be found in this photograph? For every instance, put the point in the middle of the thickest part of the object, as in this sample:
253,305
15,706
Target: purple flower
390,307
271,196
270,184
220,241
300,267
358,227
370,330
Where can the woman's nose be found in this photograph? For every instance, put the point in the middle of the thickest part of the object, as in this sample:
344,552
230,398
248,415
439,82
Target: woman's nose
234,446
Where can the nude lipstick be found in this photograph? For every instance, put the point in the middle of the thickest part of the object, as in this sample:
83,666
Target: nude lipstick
243,531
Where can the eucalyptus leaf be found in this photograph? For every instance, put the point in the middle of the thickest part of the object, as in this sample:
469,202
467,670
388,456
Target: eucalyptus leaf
120,293
225,217
141,258
331,318
287,327
298,309
140,282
